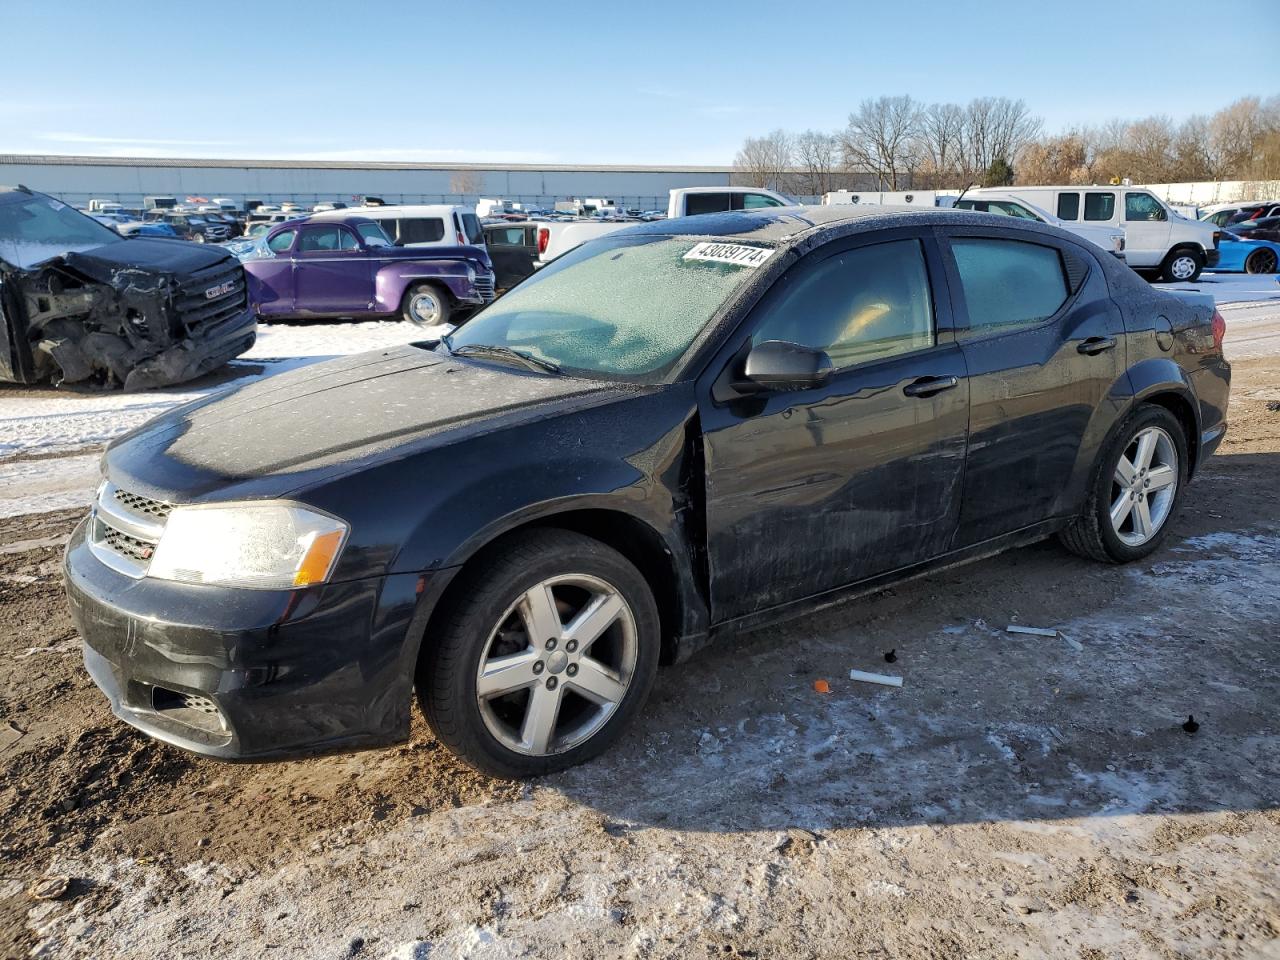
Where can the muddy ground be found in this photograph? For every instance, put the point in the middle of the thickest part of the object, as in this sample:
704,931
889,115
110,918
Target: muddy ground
1019,796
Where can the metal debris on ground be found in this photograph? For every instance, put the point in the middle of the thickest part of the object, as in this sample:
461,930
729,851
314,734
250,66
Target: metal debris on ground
885,679
1032,631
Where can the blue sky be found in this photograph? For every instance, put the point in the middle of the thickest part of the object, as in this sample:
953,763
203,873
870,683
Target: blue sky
657,82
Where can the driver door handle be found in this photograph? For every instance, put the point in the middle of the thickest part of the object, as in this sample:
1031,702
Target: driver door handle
1095,345
928,386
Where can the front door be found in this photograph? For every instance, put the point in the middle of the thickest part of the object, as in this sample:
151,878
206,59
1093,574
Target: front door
1044,344
513,251
272,284
1146,228
332,275
811,490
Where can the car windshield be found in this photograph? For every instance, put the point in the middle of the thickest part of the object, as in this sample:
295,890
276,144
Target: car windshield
621,308
36,229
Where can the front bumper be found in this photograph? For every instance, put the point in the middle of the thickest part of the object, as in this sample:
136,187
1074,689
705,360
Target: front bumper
204,350
248,674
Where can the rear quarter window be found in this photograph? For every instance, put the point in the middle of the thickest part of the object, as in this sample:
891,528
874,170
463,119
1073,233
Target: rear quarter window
1008,284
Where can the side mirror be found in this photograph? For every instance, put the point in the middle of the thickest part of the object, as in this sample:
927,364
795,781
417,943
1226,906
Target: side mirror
780,365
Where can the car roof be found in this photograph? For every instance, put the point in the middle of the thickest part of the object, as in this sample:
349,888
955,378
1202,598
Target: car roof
398,211
790,226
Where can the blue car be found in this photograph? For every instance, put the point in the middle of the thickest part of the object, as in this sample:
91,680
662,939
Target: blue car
1239,255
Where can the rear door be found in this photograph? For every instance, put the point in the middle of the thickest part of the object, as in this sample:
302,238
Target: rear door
1044,344
810,490
332,275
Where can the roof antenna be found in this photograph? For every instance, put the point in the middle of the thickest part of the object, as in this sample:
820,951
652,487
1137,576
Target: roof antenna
963,192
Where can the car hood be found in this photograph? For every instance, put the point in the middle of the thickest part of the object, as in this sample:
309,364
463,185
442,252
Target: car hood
330,417
142,253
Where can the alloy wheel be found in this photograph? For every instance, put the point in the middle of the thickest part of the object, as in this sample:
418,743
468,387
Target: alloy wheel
557,665
1262,261
1143,486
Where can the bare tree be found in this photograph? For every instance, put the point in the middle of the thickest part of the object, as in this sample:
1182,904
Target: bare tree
764,161
941,141
465,182
996,127
882,137
817,154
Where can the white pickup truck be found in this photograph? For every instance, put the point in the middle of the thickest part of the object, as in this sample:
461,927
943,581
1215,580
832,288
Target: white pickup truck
1156,238
560,237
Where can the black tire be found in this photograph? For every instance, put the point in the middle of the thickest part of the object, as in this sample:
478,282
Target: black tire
1261,261
439,296
1092,534
1173,270
448,666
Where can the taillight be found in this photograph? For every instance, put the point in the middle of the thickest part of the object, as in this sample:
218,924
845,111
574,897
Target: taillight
462,241
544,238
1217,238
1219,330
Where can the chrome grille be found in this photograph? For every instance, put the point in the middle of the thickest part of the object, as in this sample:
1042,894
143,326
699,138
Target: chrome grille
196,309
484,285
127,546
144,506
124,529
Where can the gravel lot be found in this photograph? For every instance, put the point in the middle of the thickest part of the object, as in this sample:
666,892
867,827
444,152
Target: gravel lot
1019,796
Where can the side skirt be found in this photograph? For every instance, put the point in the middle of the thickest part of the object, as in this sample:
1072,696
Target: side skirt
830,598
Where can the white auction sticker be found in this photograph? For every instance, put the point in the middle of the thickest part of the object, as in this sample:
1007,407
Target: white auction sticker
735,253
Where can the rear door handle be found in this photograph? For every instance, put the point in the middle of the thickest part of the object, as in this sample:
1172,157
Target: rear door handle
1096,345
928,386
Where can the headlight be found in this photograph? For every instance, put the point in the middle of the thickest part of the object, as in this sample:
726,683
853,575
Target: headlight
268,545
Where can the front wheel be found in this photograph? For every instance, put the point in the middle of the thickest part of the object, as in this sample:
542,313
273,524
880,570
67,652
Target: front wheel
426,305
1261,261
1182,266
1136,490
548,649
197,238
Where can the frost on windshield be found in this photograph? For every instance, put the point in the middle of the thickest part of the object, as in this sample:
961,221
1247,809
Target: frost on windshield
616,307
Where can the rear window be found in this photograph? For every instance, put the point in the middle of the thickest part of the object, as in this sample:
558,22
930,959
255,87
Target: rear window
695,203
471,227
415,229
1008,283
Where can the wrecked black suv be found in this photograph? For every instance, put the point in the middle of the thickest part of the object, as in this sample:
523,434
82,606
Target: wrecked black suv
81,304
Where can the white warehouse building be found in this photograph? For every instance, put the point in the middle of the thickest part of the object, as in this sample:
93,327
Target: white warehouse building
127,180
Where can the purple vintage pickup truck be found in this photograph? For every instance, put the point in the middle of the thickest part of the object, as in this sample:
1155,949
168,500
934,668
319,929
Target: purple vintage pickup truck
348,268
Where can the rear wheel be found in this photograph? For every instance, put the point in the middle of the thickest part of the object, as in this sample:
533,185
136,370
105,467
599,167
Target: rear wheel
1135,491
1182,266
549,648
426,305
1261,261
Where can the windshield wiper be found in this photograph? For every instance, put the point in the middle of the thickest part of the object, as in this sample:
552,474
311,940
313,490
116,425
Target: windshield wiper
493,351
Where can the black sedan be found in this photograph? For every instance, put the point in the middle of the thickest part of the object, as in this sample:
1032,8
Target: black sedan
672,433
